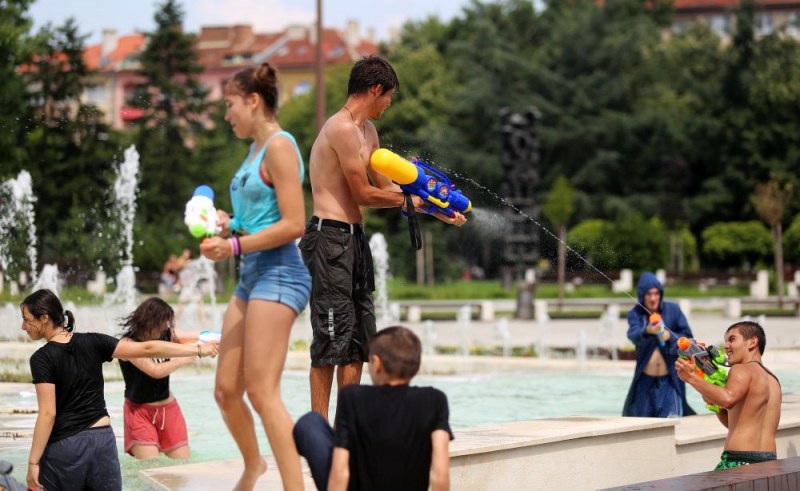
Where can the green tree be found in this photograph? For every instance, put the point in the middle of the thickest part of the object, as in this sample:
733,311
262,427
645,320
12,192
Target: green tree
792,240
736,244
772,200
558,207
591,244
70,152
174,121
14,52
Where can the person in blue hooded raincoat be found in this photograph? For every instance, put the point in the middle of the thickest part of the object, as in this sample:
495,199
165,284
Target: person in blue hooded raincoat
656,390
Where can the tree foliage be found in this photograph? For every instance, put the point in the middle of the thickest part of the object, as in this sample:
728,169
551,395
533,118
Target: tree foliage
663,135
737,244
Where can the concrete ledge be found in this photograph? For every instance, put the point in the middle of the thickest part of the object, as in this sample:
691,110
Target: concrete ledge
778,475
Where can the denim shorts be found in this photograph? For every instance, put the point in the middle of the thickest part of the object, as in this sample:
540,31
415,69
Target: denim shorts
276,275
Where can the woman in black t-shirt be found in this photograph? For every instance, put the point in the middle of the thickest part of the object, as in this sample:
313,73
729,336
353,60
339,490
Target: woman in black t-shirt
154,421
73,444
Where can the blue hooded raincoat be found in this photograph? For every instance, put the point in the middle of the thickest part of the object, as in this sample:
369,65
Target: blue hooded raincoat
647,343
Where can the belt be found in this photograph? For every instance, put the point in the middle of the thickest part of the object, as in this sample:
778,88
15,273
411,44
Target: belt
351,228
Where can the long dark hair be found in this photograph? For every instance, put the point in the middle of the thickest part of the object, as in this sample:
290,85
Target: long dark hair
152,319
43,302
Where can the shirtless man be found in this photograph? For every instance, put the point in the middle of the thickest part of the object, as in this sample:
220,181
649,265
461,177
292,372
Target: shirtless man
656,390
750,403
334,247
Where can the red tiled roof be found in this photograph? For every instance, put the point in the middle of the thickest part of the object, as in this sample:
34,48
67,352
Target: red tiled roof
725,4
219,46
126,47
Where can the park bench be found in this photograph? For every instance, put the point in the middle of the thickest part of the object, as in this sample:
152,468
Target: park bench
778,475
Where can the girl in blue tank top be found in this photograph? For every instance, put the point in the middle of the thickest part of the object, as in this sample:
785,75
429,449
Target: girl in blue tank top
274,284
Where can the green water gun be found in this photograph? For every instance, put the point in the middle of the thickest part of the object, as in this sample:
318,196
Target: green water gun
709,362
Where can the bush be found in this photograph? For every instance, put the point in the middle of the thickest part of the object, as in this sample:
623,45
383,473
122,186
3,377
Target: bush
791,241
737,244
630,242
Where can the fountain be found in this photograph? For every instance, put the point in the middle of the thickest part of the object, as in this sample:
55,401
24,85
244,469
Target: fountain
609,320
17,213
542,330
503,336
464,319
429,338
49,279
198,279
125,189
380,260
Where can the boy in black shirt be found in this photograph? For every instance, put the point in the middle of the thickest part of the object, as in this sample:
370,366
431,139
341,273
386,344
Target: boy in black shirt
388,435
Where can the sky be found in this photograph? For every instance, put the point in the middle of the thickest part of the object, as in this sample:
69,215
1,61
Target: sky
131,16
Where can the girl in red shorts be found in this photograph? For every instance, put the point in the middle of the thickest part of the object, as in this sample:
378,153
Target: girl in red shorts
153,419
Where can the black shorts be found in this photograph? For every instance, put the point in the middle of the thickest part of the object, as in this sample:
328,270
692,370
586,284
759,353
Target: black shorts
338,257
85,460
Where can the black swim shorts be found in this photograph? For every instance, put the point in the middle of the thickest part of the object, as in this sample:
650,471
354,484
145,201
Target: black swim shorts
338,257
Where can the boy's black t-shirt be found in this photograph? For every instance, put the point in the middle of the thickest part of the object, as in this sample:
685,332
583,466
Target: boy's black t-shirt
387,430
76,369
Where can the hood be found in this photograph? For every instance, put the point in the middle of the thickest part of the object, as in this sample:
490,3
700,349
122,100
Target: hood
647,281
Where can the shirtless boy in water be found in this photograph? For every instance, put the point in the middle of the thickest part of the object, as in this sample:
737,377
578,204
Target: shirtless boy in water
750,403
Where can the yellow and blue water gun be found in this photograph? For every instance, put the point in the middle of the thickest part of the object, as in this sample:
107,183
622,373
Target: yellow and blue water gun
419,178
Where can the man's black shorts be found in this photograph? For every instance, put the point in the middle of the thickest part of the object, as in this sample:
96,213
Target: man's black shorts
338,257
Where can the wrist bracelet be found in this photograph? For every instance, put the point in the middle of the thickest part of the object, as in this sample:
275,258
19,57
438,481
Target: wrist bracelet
235,246
33,463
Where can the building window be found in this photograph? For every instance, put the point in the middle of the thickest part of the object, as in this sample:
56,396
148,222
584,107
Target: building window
720,24
681,26
793,24
763,24
95,95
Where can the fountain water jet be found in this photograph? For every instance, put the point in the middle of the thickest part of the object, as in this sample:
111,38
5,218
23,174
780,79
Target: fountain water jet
380,261
464,319
125,190
17,212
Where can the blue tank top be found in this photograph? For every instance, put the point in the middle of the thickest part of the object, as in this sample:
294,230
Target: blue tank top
255,204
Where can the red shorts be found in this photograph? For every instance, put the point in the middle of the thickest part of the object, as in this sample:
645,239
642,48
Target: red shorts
150,424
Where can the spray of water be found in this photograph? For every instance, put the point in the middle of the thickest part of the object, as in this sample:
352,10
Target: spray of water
125,188
380,258
505,202
18,213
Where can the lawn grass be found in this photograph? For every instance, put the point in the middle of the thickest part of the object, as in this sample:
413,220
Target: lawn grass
400,289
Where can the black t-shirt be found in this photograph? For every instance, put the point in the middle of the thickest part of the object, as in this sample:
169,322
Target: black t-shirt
142,388
387,430
76,369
